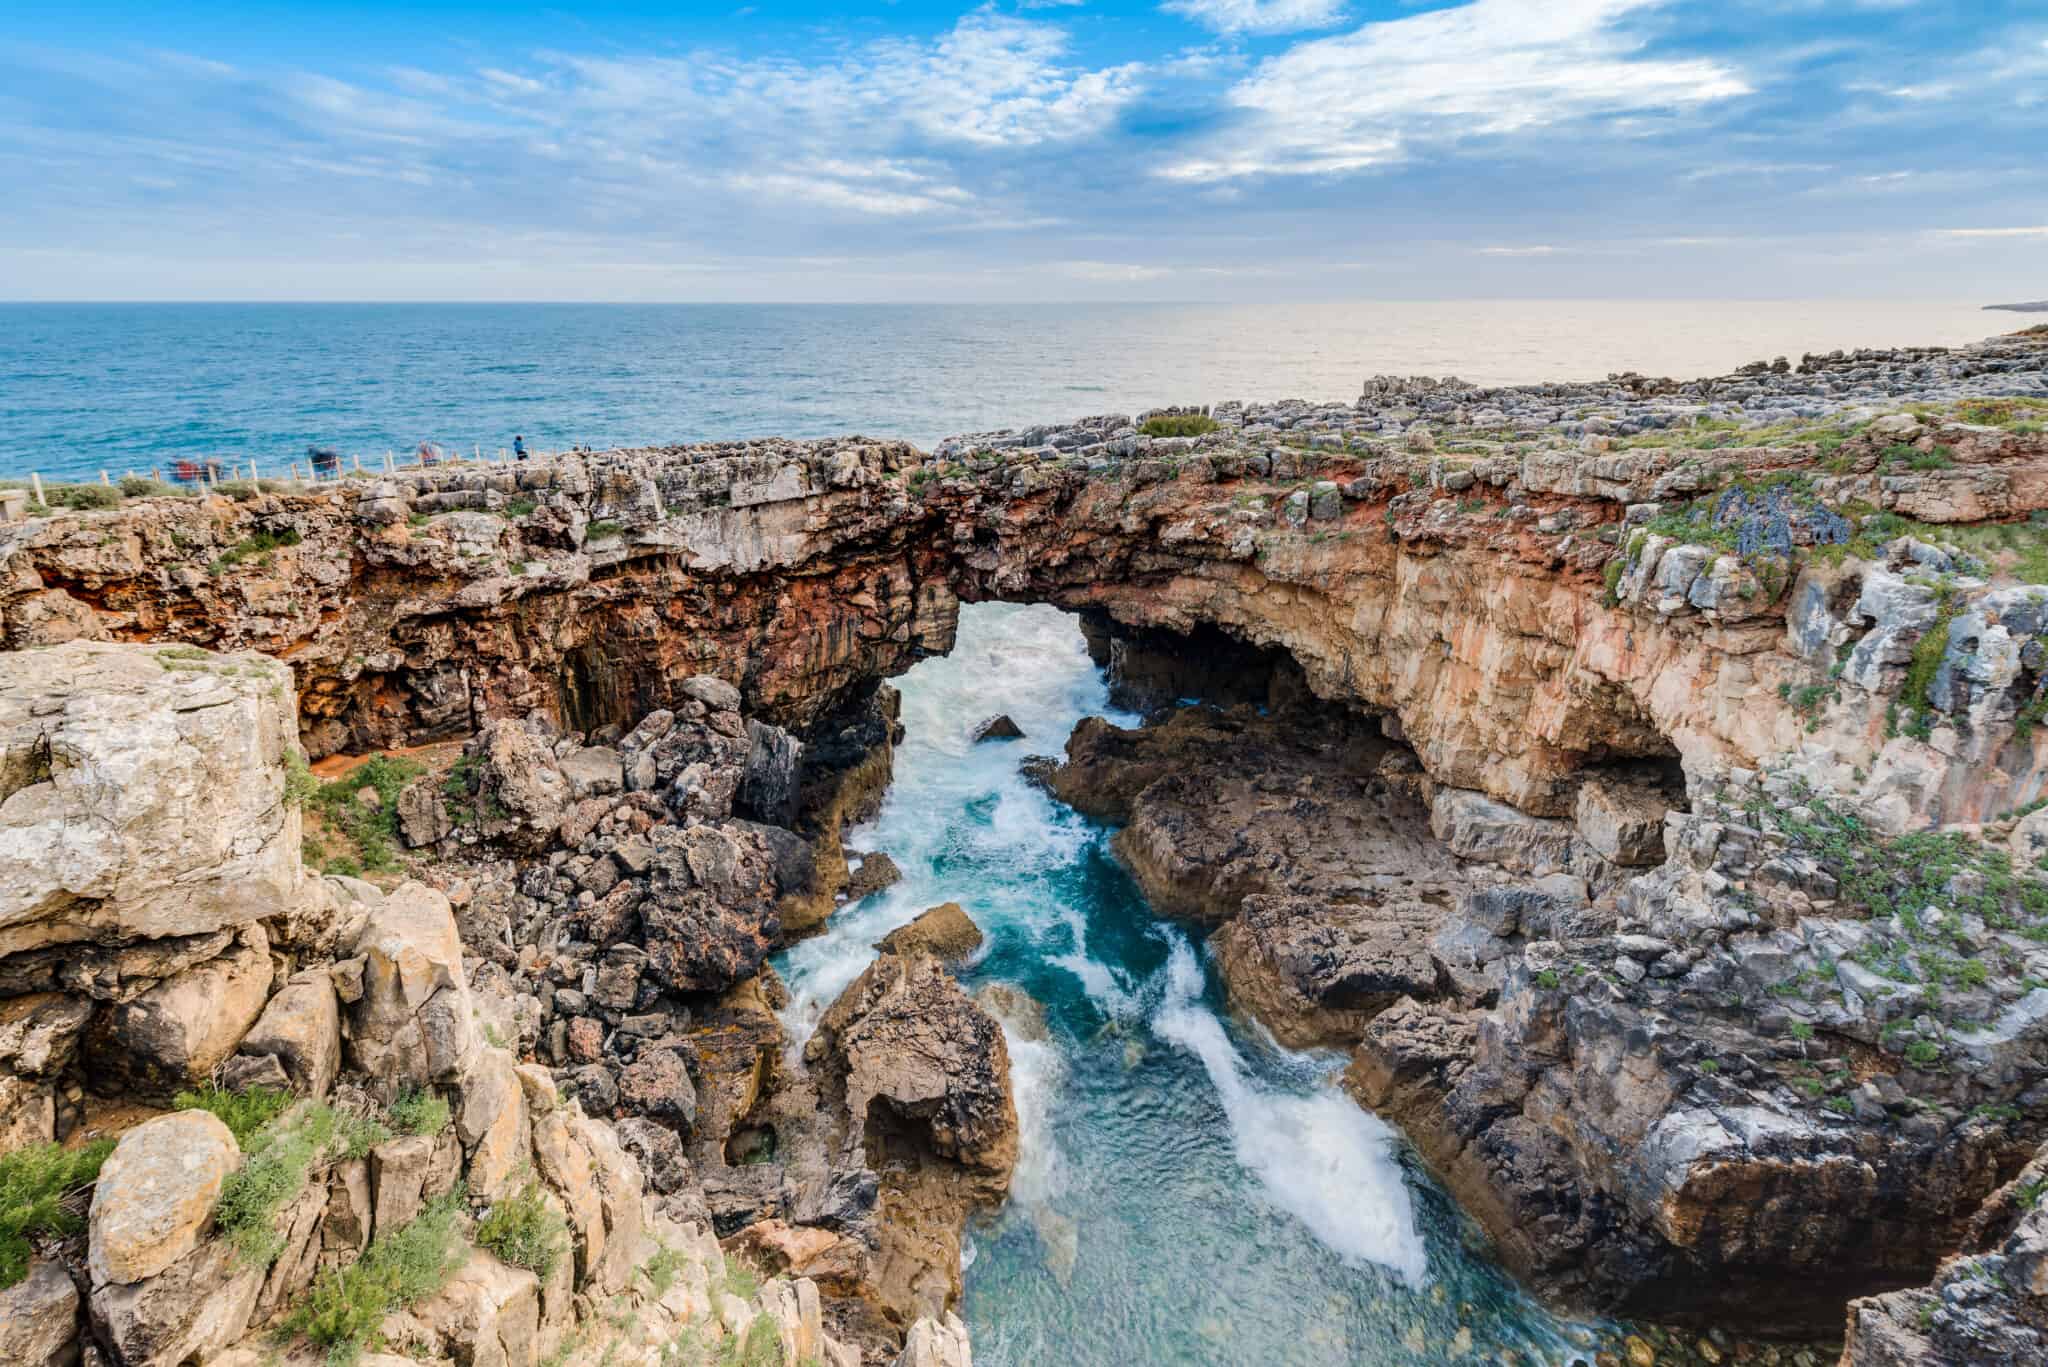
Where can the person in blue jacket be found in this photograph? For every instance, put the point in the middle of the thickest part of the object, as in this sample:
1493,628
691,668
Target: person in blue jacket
519,448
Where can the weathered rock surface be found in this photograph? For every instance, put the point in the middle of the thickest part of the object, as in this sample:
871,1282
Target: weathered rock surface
920,1078
142,794
156,1194
945,932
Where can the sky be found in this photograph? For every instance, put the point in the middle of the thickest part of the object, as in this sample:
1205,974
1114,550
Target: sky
1026,150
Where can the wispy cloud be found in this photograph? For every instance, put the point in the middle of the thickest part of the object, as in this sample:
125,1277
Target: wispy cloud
1258,16
2040,231
1488,69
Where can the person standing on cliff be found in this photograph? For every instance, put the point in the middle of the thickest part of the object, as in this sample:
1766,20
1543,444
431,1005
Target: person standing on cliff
518,447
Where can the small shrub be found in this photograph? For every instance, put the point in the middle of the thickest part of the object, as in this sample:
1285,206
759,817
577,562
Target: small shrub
244,1113
374,830
39,1186
344,1308
1178,425
257,546
84,498
661,1269
1923,1053
600,530
1547,980
740,1280
299,784
142,486
760,1346
525,1231
419,1112
520,507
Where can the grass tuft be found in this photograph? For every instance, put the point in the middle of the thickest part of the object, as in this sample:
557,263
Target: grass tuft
525,1231
39,1187
1178,425
345,1307
244,1113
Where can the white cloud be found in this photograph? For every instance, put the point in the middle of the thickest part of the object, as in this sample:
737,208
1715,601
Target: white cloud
1258,16
2041,231
1109,271
1536,250
1492,68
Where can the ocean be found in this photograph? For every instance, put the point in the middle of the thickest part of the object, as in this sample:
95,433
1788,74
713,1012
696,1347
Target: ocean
133,387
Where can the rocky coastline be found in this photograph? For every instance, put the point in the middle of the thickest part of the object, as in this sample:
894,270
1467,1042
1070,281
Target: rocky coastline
1641,780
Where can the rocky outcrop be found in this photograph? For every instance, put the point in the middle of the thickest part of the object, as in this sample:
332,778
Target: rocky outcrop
144,794
919,1077
945,932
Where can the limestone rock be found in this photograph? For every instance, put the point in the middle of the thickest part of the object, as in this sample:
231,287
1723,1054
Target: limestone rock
175,1034
998,727
156,1194
945,932
710,915
188,1311
39,1319
142,793
1624,823
943,1342
876,872
905,1036
1315,973
301,1028
413,1025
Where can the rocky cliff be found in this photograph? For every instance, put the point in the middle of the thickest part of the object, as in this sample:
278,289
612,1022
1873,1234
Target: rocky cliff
1700,721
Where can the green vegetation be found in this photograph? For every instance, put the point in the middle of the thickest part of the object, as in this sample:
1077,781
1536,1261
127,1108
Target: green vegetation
256,546
740,1280
418,1113
760,1346
601,530
661,1269
1915,889
372,830
39,1190
525,1231
519,507
1800,1031
300,787
345,1307
277,1157
1178,425
1547,980
83,498
142,486
244,1113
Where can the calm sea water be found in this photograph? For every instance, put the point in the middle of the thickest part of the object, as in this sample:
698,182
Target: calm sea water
1187,1192
87,387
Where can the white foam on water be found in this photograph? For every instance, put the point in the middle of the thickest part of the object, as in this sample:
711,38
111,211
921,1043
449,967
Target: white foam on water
1319,1156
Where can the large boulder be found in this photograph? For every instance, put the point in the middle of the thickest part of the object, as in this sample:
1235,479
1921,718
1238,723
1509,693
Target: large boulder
414,1023
944,932
39,1319
142,793
178,1032
156,1193
301,1029
710,914
905,1040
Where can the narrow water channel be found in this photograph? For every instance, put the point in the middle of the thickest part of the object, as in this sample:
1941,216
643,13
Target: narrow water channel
1189,1192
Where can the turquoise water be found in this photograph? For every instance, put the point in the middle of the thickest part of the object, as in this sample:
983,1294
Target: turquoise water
86,387
1188,1192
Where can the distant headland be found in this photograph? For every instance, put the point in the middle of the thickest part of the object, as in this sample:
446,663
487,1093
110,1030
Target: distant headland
2038,306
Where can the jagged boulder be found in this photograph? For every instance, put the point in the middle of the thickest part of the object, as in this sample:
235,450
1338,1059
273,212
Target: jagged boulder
413,1023
301,1029
904,1036
710,910
945,932
142,794
177,1032
39,1319
937,1342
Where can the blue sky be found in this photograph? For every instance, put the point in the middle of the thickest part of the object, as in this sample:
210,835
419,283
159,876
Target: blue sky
1026,150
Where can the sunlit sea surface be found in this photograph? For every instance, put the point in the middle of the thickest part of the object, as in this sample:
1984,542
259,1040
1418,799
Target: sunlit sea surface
87,387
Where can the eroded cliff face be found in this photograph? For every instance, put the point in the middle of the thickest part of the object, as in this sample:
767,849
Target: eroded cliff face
1688,1064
